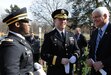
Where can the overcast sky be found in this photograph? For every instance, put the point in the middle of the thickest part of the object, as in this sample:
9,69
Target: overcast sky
5,4
20,3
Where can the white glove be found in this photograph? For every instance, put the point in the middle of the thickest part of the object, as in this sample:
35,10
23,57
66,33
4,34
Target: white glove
37,66
41,72
39,69
72,59
67,68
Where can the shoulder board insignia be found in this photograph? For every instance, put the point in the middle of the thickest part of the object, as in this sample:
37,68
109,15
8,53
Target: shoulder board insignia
8,40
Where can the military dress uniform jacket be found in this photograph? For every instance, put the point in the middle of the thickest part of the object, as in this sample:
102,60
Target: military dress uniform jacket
103,52
16,56
54,49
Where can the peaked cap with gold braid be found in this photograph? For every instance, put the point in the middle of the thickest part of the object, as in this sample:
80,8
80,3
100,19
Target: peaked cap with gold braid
60,13
16,16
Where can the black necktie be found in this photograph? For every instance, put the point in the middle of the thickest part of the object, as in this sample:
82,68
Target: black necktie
62,36
100,33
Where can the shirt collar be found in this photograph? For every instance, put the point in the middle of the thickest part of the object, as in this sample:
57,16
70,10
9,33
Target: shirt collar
104,27
61,31
17,34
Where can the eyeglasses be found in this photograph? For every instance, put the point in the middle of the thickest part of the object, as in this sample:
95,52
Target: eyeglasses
96,17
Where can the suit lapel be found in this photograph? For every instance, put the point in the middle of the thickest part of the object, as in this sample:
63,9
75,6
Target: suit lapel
106,33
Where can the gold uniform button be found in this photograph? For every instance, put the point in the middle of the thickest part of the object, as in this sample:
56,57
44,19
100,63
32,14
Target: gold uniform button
25,42
26,49
65,45
21,40
55,39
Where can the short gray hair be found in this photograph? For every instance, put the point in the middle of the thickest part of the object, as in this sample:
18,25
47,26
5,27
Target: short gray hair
102,11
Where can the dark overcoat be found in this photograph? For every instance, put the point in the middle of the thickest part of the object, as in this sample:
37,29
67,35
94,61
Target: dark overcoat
82,43
103,52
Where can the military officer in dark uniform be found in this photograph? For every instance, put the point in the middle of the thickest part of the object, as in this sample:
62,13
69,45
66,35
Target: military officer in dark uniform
16,53
59,48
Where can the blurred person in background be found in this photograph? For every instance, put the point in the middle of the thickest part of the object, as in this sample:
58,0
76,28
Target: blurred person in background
82,43
35,44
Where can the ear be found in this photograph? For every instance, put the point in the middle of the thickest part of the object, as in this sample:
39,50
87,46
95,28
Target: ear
17,24
105,16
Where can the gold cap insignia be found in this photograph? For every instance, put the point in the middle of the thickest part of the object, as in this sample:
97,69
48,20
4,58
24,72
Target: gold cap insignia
62,11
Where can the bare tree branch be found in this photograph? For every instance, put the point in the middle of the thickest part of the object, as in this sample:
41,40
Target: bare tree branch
42,10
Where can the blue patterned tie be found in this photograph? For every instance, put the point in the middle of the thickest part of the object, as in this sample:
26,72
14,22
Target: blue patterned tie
98,40
100,33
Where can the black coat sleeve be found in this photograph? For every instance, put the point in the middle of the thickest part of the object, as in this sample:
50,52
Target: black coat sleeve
46,53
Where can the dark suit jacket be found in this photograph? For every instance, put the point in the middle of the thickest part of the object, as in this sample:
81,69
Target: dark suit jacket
35,43
103,51
52,46
82,43
16,56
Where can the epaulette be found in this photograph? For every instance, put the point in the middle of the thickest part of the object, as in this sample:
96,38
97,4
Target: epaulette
7,40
